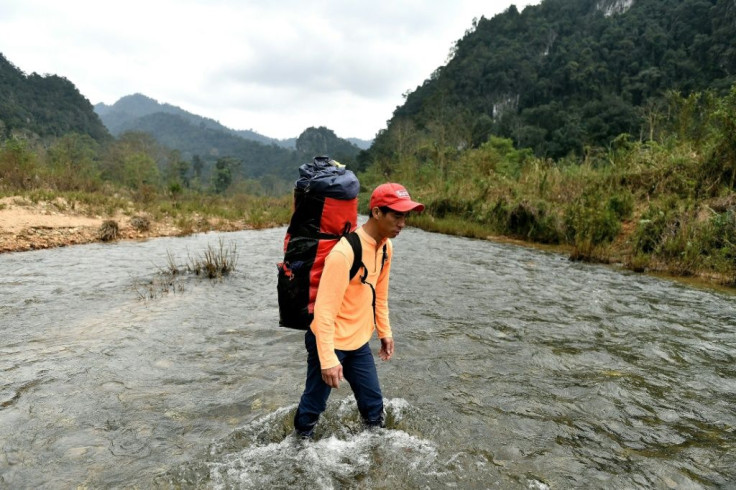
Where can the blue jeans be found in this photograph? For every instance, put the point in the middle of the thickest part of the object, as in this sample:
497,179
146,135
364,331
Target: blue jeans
358,368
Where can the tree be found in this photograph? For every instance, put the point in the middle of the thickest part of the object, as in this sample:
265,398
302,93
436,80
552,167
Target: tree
140,170
176,169
222,175
17,165
74,162
132,160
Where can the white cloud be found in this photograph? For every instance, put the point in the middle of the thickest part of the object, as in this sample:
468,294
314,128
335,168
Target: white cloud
274,66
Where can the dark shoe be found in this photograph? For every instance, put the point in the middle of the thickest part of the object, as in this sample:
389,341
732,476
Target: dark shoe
378,424
304,436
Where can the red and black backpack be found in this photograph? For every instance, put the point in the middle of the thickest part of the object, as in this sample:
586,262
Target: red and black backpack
325,210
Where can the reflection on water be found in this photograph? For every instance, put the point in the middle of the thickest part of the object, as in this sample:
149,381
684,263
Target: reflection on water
514,369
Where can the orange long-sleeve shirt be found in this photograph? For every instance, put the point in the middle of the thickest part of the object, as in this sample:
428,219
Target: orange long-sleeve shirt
343,311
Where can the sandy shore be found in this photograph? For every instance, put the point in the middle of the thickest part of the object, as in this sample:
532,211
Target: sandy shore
25,225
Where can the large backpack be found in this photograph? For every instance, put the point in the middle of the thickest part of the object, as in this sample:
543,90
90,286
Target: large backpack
325,210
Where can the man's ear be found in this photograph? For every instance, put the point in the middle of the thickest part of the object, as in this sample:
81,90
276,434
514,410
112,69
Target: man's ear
375,211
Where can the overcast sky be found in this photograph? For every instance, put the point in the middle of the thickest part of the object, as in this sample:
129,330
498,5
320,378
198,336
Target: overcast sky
274,66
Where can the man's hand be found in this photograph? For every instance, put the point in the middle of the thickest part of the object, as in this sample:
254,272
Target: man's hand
332,376
387,348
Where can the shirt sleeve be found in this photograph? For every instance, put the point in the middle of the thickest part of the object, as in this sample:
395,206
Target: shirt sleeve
332,285
382,322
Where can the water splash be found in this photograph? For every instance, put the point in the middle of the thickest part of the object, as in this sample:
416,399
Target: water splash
267,454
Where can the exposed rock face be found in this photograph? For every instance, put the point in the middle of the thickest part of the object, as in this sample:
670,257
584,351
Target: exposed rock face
613,7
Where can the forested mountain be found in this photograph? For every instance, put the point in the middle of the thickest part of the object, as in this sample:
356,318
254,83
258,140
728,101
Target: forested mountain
175,132
567,74
324,141
360,143
254,155
124,115
44,105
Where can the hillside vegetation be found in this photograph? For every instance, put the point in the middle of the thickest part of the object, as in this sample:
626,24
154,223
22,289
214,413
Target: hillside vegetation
605,127
566,75
664,204
44,106
123,116
173,169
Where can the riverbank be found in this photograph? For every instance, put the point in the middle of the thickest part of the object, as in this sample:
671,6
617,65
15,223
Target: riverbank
616,255
27,224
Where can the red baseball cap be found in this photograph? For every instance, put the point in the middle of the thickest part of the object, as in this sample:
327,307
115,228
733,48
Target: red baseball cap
396,197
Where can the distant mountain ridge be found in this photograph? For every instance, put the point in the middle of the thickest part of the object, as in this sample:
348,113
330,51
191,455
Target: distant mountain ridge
126,113
208,140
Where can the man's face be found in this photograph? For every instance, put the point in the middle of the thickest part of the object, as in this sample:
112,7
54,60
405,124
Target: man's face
390,223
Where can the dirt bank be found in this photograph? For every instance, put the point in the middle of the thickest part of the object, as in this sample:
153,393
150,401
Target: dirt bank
26,225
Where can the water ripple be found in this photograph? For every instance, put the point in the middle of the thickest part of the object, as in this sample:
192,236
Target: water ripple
514,368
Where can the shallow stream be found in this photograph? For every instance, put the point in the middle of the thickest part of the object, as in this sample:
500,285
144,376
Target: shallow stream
514,368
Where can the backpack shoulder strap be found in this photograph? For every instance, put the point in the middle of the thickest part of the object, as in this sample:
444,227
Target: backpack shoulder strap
354,241
385,256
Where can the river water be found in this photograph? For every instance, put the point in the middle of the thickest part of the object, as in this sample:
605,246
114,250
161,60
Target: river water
514,368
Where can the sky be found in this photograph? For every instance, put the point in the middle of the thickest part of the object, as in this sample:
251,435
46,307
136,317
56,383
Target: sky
276,67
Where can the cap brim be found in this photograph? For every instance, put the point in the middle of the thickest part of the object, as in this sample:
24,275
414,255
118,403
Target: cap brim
404,206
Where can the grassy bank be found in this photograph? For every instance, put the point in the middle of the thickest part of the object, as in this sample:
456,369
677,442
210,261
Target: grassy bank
661,204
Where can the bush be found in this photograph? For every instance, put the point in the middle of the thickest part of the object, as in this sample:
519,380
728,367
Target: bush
621,205
722,233
108,230
18,166
140,223
531,221
652,226
589,221
449,206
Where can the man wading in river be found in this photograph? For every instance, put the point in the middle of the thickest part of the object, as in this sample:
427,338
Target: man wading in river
346,312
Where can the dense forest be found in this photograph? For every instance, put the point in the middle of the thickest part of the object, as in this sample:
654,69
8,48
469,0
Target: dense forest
566,75
602,126
44,106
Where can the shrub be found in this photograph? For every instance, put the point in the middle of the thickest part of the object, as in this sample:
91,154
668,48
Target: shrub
18,165
591,222
449,206
652,226
722,227
521,219
140,223
531,221
108,230
622,205
638,262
